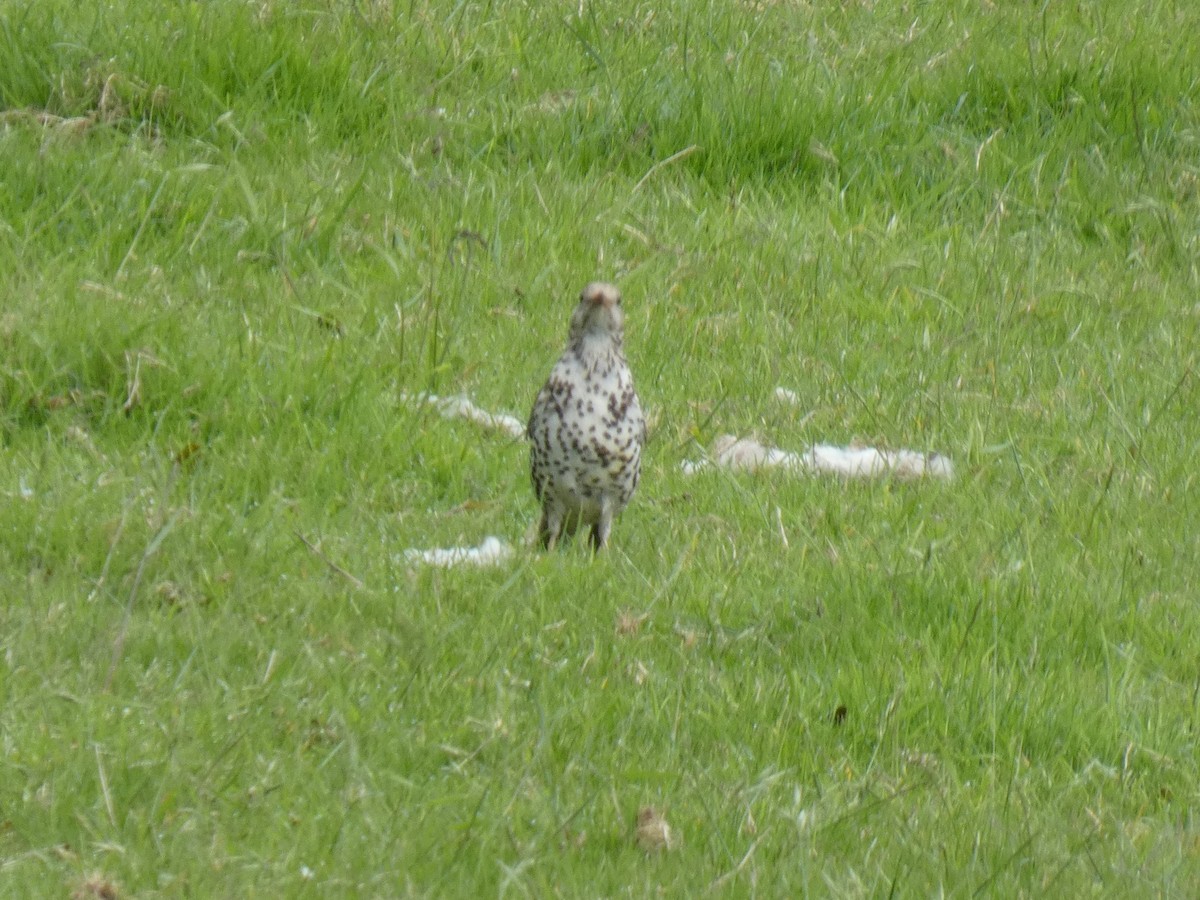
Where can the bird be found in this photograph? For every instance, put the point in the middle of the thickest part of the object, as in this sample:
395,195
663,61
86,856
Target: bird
586,430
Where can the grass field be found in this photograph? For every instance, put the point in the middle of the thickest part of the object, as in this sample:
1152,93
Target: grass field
234,236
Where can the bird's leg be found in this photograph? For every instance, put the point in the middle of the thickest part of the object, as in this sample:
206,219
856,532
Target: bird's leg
550,526
603,525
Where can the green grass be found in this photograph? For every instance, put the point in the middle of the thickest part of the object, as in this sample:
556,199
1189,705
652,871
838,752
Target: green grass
233,235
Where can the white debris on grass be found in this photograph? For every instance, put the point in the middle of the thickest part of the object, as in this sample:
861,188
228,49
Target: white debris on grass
491,552
460,406
787,395
858,462
746,454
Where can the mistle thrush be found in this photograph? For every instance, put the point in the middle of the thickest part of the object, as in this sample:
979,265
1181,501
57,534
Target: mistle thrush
586,430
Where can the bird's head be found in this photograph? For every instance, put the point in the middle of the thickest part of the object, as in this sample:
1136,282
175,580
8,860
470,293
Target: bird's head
599,313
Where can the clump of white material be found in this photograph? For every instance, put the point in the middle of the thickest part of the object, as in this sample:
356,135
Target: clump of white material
746,454
491,552
460,406
855,462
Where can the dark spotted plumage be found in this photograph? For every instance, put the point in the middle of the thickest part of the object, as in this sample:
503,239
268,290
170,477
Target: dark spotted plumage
586,430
